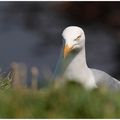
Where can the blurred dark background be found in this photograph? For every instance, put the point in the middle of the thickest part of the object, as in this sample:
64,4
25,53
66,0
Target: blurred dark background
30,32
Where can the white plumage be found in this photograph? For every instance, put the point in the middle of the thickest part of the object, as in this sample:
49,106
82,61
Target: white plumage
73,66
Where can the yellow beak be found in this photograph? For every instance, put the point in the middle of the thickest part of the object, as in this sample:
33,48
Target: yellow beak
67,50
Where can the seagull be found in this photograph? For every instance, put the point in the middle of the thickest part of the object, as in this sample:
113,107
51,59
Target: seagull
72,64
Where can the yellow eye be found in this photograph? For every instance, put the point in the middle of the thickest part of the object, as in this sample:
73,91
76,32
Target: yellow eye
78,38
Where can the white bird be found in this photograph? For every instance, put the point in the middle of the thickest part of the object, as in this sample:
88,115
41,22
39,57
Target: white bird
73,64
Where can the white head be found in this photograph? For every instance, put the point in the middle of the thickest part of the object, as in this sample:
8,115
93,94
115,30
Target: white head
74,39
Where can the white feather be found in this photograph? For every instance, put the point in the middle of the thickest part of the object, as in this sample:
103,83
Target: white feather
74,67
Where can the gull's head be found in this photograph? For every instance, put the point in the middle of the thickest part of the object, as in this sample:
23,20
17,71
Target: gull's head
74,39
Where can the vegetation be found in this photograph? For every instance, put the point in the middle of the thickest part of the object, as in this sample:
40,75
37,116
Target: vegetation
69,101
53,101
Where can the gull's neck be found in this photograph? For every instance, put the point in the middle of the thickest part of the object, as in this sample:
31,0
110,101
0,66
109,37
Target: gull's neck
80,59
77,69
77,60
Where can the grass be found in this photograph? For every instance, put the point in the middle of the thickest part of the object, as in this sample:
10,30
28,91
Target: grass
68,101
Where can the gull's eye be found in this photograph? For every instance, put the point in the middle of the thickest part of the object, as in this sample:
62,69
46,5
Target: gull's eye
77,38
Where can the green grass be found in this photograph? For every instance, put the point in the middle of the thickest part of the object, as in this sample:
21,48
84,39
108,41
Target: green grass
5,81
70,101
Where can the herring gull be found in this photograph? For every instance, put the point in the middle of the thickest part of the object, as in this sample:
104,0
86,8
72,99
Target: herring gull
72,63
